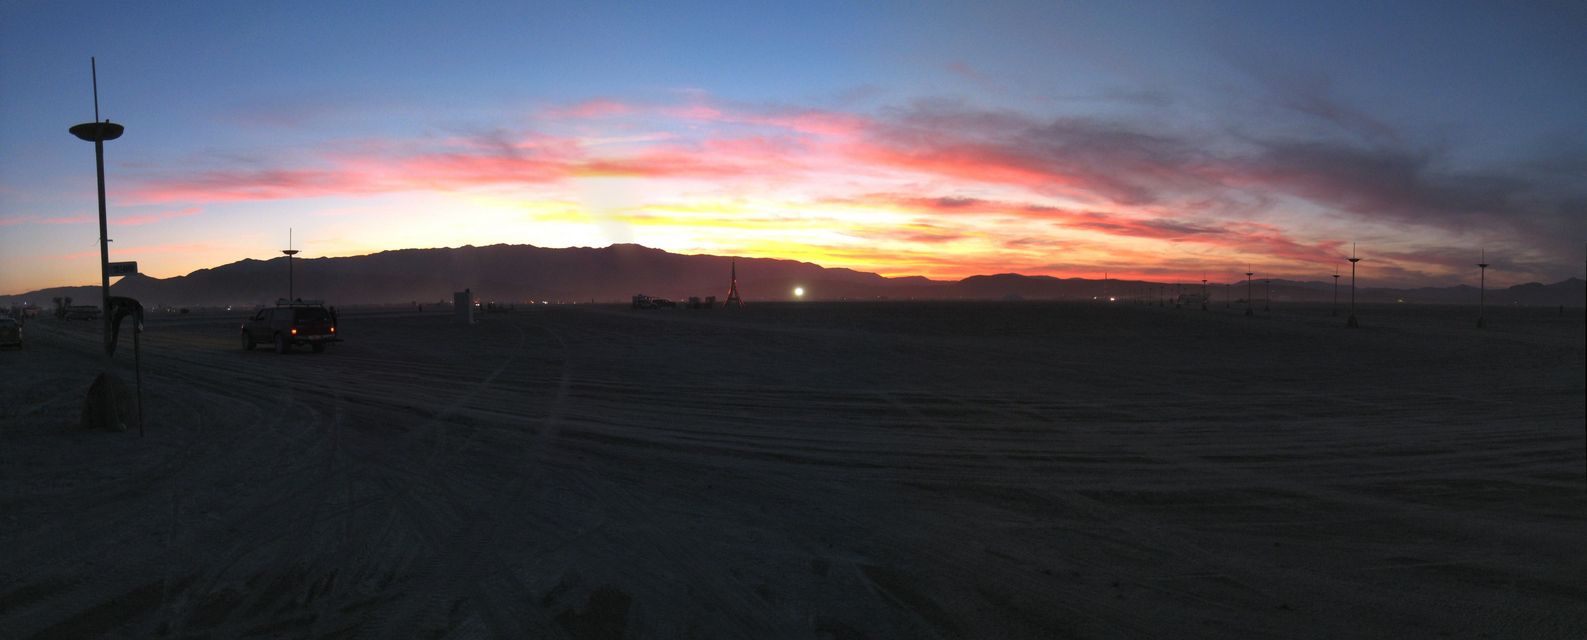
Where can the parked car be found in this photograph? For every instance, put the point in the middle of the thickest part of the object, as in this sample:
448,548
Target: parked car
291,323
10,332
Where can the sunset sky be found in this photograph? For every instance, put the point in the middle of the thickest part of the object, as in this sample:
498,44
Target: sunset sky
1152,140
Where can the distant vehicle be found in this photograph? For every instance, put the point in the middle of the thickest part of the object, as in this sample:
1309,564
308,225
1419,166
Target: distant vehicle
291,323
10,332
642,301
65,310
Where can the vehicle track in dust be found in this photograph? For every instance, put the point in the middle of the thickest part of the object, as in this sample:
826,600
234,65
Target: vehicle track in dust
922,471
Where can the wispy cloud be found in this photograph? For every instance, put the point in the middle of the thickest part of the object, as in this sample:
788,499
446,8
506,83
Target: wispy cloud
151,218
908,175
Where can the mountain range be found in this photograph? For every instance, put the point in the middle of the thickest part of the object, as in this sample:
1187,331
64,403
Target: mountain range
521,273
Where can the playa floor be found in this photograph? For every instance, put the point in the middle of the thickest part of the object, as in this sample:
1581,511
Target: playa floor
861,470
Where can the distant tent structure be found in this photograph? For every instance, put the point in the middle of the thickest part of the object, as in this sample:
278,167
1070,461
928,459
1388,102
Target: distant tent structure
732,289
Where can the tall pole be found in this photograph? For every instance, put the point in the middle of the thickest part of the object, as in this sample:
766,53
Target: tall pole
1353,260
1336,291
1248,274
1482,291
289,251
1204,298
98,132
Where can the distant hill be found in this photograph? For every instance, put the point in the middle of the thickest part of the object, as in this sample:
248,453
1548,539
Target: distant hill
517,273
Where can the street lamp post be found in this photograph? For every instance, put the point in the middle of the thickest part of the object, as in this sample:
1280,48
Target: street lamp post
1248,274
1335,312
1482,291
1353,260
289,252
98,132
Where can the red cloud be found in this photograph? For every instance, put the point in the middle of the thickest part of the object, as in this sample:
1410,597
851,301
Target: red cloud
1139,181
1243,236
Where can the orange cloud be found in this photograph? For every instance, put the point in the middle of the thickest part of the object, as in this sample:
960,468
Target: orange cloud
860,187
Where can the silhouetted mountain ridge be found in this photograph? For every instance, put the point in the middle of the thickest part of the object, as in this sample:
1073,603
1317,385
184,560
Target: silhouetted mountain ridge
518,273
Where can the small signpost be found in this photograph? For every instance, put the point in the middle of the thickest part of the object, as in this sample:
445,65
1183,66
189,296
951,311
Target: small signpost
122,268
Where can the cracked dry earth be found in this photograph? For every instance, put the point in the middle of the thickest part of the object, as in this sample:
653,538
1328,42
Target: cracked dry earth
897,470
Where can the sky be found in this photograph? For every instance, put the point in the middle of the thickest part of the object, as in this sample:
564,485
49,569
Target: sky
1143,140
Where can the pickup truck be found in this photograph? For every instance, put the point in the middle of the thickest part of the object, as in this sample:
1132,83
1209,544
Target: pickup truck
289,324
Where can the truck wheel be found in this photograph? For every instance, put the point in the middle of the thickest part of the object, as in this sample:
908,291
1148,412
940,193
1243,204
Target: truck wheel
319,347
281,343
247,342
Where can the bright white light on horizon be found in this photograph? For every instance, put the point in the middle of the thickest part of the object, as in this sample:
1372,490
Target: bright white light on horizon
799,292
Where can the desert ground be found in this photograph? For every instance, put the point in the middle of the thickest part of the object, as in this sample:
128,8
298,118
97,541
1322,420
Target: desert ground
821,470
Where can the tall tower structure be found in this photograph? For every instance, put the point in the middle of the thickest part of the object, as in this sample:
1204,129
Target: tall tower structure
289,252
98,132
1482,291
1351,321
1336,291
1248,274
732,289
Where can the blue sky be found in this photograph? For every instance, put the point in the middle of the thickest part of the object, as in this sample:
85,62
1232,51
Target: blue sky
1147,139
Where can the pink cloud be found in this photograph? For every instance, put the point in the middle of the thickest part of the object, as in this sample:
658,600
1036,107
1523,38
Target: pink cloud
247,185
151,218
29,219
601,108
1125,181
